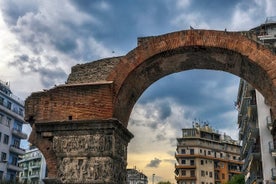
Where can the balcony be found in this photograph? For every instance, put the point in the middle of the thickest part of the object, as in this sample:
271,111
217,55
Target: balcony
19,133
269,123
14,167
254,178
273,173
11,113
34,175
184,166
177,178
34,166
272,149
17,150
253,153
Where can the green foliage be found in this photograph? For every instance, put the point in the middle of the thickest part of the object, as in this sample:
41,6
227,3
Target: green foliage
164,182
237,179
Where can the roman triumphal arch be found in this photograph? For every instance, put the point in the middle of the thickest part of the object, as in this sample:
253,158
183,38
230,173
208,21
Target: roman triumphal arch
81,126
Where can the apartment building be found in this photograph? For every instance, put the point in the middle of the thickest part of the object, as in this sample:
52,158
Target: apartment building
33,166
11,122
254,119
204,156
266,33
136,177
255,127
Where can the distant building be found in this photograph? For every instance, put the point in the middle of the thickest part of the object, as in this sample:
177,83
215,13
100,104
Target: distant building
205,156
136,177
254,119
266,33
34,167
11,122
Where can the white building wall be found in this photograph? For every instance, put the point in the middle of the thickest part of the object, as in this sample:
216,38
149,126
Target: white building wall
268,161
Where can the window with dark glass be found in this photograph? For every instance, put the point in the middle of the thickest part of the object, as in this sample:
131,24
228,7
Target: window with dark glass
1,101
3,156
9,105
1,118
183,172
192,151
192,173
6,139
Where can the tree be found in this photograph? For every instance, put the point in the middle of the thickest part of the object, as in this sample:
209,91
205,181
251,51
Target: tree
237,179
164,182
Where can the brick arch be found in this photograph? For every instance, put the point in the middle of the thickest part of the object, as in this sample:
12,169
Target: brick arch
156,57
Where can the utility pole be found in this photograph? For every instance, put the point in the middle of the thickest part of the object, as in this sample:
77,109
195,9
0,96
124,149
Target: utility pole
153,178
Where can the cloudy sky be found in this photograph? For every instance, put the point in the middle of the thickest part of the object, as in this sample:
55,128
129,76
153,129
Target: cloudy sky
42,40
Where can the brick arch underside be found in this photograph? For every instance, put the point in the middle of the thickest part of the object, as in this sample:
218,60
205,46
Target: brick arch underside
187,58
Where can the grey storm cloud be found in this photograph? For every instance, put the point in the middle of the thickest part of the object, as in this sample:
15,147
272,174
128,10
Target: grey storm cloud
154,163
48,77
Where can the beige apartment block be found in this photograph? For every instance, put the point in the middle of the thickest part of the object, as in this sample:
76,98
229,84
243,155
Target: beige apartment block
204,156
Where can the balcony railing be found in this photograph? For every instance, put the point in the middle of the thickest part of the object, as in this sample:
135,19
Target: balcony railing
16,149
272,149
15,110
269,123
34,175
273,173
253,153
14,167
253,178
19,133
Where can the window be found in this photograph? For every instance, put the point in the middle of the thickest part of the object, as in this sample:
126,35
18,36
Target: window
192,162
183,151
1,175
183,172
6,139
9,105
192,173
16,143
183,161
8,122
20,112
192,151
1,101
200,150
1,118
223,176
3,156
202,173
202,162
210,174
209,152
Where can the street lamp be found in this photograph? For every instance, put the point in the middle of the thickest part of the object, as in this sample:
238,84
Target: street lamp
153,178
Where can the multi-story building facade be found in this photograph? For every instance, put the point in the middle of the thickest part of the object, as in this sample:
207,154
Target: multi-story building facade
254,120
136,177
33,166
266,33
206,157
11,122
